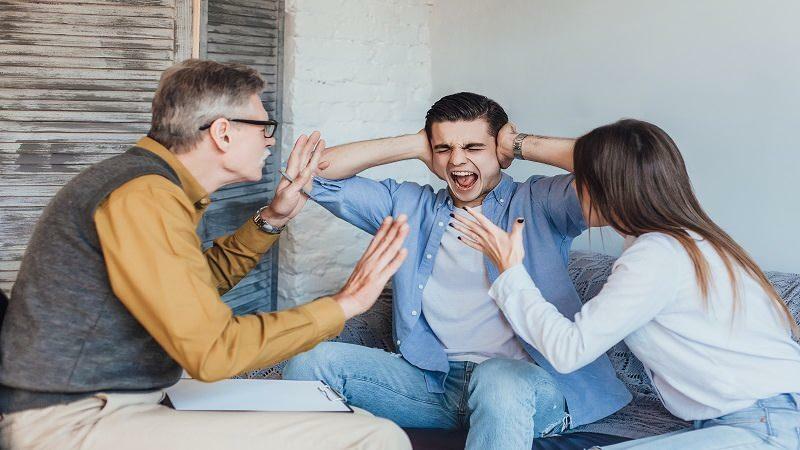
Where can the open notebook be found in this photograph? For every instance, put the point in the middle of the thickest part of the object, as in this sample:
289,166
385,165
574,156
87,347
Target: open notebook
256,395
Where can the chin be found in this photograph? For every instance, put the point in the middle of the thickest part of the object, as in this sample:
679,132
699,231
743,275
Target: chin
465,196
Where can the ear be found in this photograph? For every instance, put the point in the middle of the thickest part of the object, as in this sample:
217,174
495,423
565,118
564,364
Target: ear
220,134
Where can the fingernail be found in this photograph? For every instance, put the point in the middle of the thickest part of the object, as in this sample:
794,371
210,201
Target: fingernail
459,238
450,225
520,220
452,215
465,208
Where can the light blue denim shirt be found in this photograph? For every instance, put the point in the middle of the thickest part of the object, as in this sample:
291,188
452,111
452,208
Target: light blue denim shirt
553,218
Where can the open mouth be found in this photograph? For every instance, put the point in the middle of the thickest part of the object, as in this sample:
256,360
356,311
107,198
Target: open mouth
464,180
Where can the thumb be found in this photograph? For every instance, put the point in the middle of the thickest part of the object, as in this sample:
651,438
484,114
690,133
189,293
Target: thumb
516,232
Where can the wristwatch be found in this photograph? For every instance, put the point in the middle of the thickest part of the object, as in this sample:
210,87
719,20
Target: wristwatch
518,145
265,226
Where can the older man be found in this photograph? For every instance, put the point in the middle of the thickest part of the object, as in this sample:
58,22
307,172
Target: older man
115,295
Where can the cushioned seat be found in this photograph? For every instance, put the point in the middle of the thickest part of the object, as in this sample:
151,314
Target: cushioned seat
644,416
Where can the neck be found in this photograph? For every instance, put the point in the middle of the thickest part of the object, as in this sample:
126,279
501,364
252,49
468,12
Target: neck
204,168
472,203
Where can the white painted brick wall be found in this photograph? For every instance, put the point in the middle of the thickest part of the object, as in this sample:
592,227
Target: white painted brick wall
353,69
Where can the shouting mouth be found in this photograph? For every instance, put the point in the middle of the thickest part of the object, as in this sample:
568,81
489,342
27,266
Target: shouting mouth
464,180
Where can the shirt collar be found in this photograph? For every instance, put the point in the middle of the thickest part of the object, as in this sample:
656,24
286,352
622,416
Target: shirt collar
197,195
501,193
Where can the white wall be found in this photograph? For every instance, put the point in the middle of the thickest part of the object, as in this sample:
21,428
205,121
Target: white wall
721,76
354,69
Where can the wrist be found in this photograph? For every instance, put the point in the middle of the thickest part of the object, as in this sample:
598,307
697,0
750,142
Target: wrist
349,306
276,220
505,265
518,145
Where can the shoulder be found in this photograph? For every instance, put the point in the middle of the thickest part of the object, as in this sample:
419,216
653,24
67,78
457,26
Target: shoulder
655,251
541,186
148,191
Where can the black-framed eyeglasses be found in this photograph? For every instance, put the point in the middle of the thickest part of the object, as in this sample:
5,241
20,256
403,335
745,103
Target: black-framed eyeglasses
269,125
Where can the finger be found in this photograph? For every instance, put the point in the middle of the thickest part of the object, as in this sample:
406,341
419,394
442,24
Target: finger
393,265
516,232
390,237
293,164
394,244
516,228
470,243
481,219
472,225
304,180
465,231
308,149
387,222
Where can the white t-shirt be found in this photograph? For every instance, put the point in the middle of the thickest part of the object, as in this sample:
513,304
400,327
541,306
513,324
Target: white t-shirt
704,361
458,308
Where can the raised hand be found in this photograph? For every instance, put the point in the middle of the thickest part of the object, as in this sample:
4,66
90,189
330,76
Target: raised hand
505,144
425,153
505,250
302,166
380,261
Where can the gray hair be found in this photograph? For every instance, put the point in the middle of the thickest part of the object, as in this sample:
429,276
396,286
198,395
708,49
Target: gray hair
194,93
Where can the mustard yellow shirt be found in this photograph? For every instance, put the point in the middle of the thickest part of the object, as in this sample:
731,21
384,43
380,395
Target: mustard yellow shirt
158,270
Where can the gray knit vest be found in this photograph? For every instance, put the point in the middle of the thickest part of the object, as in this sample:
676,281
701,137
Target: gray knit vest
66,336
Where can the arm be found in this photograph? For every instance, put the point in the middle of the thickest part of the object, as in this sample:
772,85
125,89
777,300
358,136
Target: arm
553,151
346,160
639,287
642,283
157,271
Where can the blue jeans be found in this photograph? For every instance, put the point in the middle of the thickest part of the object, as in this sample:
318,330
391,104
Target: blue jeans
504,403
769,424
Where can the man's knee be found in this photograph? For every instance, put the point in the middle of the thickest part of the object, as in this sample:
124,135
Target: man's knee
505,382
312,364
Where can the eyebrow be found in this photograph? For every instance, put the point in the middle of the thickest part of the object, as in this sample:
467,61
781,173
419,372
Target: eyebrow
474,144
466,146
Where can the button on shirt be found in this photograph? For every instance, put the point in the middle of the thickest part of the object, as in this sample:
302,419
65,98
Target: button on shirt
553,218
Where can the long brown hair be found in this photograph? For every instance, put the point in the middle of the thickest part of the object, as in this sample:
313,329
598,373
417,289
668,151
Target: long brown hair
636,180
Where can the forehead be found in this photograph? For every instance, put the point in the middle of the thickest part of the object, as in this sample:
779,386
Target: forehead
461,131
256,109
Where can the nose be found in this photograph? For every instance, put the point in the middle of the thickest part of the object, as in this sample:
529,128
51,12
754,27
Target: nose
457,157
269,142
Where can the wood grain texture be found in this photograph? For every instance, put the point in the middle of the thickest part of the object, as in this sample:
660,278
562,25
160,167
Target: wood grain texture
247,32
76,81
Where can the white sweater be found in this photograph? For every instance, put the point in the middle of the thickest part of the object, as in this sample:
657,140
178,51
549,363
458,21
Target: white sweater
703,363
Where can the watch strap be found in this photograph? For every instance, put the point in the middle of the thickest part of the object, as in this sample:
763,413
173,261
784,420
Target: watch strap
518,145
265,226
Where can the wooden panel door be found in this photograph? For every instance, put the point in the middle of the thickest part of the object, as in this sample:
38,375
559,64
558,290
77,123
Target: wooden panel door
76,81
247,32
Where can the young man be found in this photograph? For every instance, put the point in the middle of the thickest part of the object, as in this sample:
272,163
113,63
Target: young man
115,296
461,363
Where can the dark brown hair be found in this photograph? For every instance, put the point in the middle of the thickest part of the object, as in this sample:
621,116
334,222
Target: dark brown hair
636,180
466,106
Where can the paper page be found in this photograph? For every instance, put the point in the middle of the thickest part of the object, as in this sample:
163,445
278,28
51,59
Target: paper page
255,395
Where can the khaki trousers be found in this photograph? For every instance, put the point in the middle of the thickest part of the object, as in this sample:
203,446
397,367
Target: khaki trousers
138,421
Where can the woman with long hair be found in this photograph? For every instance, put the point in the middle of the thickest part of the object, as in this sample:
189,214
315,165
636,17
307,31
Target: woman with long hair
713,334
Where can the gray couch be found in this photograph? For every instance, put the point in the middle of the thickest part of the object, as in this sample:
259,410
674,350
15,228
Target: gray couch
644,416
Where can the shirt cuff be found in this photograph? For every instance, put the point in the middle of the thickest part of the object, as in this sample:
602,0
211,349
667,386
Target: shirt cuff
510,282
254,238
327,315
